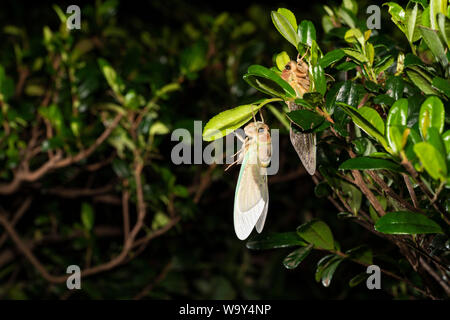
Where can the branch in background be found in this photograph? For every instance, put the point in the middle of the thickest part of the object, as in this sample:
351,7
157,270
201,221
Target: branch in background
55,162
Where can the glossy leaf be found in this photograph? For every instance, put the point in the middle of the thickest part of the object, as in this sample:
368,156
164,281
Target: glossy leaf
285,27
413,16
275,240
367,163
318,233
395,124
331,57
306,32
320,83
269,82
432,160
227,121
281,60
297,256
307,120
406,222
329,270
431,114
443,85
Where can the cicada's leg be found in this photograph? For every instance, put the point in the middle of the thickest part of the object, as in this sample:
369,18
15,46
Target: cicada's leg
239,152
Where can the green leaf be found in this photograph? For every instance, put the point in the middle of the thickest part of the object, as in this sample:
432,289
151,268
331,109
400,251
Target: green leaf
331,57
275,240
357,279
285,27
227,121
436,6
306,32
321,264
329,270
398,15
446,139
320,83
420,80
435,139
432,160
367,163
289,16
361,253
318,233
433,42
193,59
413,17
373,117
394,87
353,195
396,123
431,114
444,27
307,120
406,222
443,85
354,35
87,216
269,82
366,124
114,81
297,256
282,60
356,55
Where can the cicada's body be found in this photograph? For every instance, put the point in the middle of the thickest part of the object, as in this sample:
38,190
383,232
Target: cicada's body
297,75
252,197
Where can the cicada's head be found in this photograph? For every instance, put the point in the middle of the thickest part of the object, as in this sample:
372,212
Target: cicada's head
257,129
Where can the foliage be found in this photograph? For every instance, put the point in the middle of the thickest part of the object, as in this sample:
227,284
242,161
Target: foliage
383,157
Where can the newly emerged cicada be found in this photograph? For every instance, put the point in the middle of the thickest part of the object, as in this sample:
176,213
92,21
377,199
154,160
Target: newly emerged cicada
251,199
296,73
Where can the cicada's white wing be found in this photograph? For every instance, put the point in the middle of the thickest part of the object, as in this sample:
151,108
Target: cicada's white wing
262,219
251,196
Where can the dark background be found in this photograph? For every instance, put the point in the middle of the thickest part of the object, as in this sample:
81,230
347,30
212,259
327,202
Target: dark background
209,262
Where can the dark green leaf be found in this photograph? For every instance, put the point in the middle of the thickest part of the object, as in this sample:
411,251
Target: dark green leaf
318,233
297,256
406,222
306,32
366,163
331,57
307,120
442,85
357,279
275,240
269,82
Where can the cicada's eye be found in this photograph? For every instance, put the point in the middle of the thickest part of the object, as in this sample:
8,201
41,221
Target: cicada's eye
261,130
288,67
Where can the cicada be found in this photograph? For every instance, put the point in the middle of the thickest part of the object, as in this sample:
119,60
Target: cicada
251,200
296,73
